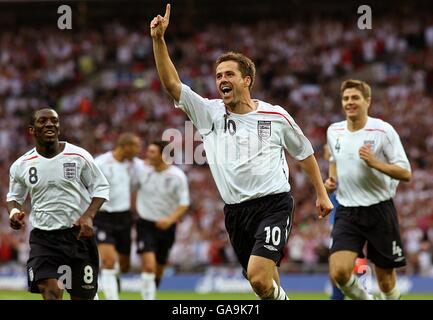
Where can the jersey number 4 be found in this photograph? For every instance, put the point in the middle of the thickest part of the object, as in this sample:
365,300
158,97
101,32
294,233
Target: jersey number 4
33,175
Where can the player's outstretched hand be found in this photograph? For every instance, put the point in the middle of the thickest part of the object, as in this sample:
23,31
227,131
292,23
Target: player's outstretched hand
330,184
86,226
17,221
159,24
324,206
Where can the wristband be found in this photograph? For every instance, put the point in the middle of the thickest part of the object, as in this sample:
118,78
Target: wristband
13,211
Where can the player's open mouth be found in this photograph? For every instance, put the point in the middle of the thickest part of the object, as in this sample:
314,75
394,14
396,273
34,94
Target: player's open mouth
226,90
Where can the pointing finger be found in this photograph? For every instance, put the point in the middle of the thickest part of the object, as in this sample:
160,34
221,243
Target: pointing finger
167,12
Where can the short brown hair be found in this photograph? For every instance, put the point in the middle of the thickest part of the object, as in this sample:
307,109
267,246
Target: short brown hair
161,144
126,138
246,66
362,86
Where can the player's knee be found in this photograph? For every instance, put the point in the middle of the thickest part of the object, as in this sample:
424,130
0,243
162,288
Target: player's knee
261,285
124,267
386,285
148,268
108,262
50,291
340,275
50,294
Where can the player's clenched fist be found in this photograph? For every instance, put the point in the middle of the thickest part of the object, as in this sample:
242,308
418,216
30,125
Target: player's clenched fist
16,220
330,184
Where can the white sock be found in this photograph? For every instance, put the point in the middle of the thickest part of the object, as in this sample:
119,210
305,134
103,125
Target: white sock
109,284
96,297
278,293
354,291
117,266
394,294
148,286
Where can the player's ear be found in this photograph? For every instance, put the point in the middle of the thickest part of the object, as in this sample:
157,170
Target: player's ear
247,81
368,102
31,130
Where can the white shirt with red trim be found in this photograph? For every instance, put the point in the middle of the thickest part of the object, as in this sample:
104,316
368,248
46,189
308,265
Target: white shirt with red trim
160,192
358,184
245,152
120,175
61,188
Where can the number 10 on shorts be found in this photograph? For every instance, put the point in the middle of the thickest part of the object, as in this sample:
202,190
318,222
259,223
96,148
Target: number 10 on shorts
273,234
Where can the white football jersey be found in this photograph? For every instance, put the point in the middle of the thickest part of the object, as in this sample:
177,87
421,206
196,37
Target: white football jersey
358,184
120,175
245,152
160,192
61,188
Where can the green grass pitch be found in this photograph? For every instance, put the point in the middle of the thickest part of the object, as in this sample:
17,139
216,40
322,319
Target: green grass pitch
189,295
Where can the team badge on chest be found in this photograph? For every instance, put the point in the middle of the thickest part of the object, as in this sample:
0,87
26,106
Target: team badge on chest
70,171
264,129
370,142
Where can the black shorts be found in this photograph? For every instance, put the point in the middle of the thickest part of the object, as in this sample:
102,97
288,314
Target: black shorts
114,228
260,227
376,225
59,255
152,239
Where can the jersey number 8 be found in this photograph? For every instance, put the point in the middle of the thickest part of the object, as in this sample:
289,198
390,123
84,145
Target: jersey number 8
88,274
33,175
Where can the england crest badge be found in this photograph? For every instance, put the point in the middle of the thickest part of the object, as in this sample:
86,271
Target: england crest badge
264,129
70,170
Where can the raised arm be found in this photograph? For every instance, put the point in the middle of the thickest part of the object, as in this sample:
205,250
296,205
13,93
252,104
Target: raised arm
166,69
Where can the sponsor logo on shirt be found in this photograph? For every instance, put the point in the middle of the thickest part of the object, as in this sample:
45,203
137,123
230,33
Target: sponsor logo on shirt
70,170
264,129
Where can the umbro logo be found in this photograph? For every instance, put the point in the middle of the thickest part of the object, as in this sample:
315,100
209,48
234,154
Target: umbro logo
87,286
271,248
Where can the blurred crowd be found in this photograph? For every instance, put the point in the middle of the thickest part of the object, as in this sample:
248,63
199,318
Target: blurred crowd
103,81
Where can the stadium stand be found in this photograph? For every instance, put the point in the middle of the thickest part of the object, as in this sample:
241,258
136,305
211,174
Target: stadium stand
101,78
